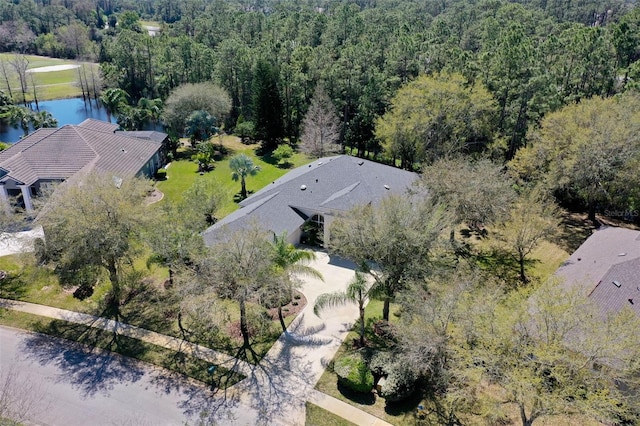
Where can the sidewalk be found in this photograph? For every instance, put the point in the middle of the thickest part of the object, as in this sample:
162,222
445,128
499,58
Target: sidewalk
148,336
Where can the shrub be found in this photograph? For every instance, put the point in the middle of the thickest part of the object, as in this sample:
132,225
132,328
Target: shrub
161,174
282,154
400,383
354,373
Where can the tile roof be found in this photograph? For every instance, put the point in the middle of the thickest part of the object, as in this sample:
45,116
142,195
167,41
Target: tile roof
331,185
151,135
60,153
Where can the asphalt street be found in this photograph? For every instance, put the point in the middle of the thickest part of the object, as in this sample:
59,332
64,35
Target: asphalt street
70,384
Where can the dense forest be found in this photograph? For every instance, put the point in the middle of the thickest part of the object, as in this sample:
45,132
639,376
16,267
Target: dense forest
533,57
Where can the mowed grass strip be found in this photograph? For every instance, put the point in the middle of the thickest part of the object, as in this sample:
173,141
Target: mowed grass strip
318,416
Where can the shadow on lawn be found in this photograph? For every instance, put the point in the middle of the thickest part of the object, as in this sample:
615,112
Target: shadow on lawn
13,286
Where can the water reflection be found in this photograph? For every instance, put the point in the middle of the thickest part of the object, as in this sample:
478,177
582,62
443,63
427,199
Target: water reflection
66,111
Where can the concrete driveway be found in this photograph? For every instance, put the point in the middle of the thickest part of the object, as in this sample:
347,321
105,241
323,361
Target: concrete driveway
279,387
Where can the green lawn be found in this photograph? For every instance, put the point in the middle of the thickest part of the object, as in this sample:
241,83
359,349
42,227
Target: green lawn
317,416
49,85
182,173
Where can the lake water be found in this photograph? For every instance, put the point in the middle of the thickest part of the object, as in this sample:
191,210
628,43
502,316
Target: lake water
66,111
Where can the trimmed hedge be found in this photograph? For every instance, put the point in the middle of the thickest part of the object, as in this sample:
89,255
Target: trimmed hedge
353,372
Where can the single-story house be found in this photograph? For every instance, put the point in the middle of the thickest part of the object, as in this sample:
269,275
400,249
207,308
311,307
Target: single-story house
51,156
317,193
606,267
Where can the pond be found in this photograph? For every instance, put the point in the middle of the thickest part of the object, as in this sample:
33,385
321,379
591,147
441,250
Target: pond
66,111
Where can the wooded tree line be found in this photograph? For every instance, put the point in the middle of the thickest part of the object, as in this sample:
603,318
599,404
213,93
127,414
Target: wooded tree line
532,57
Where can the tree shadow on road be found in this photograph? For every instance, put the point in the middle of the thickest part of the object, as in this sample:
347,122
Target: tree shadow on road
92,371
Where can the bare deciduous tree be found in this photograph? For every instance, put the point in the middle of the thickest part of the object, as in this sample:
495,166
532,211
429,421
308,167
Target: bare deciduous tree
20,398
321,126
20,63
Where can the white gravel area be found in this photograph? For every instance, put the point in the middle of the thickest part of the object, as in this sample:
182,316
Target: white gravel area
54,68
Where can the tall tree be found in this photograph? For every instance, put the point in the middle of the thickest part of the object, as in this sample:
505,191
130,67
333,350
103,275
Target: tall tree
113,100
554,354
95,224
266,105
478,192
587,152
357,292
457,120
189,98
242,166
532,219
236,268
393,241
320,127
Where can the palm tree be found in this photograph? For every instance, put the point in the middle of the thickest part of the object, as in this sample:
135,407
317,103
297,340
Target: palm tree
289,261
241,167
358,291
113,99
43,119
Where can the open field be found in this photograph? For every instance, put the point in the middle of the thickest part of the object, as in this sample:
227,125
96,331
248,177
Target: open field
49,85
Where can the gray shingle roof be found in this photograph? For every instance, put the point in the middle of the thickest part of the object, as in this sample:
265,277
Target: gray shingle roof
610,254
60,153
619,288
332,185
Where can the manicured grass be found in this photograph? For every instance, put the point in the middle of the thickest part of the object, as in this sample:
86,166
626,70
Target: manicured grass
182,173
317,416
171,360
49,85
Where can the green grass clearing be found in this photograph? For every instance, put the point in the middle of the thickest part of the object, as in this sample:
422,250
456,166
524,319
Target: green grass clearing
49,85
182,173
176,362
317,416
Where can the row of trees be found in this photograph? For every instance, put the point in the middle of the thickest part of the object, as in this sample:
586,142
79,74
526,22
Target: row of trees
531,57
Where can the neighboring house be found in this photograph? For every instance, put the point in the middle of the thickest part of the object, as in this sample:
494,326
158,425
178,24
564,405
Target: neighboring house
51,156
317,193
607,269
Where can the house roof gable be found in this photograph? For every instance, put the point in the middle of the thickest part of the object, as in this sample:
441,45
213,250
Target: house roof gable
327,185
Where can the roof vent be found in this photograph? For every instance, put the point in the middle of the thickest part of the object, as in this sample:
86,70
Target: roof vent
303,187
387,187
616,283
319,163
360,163
631,301
123,150
622,254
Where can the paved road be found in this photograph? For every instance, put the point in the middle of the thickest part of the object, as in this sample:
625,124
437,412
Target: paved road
73,385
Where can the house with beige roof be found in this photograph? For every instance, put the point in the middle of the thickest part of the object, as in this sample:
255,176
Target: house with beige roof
50,156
